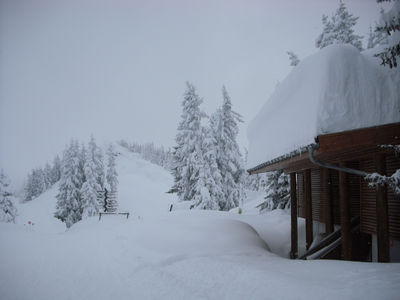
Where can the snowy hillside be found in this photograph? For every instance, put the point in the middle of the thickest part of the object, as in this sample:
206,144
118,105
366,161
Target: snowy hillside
157,254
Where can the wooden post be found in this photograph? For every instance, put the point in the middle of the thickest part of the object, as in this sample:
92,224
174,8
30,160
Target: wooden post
327,190
382,220
345,215
293,211
308,200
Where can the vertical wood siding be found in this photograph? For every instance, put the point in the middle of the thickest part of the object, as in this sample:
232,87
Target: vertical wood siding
392,164
368,199
300,195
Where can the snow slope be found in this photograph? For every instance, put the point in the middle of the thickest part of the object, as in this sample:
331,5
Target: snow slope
41,213
334,90
184,254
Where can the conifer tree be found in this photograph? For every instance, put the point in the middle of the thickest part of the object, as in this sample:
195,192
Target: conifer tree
278,191
90,187
69,200
229,158
376,38
8,212
208,187
56,169
48,176
98,162
29,191
35,184
339,29
389,25
187,152
112,179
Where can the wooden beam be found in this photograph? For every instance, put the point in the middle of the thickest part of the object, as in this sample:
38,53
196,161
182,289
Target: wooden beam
308,200
293,214
282,164
345,215
327,190
382,220
378,135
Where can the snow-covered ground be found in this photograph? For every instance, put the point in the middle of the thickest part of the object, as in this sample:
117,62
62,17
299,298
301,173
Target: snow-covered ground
183,254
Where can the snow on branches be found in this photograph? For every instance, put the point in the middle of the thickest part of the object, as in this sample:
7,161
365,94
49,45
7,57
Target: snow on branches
389,24
393,181
339,29
207,164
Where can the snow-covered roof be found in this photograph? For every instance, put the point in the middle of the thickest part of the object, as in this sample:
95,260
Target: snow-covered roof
334,90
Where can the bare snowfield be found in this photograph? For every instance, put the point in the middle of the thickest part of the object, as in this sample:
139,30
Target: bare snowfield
184,254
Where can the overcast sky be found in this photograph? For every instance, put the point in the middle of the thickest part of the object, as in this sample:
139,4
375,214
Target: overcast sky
117,69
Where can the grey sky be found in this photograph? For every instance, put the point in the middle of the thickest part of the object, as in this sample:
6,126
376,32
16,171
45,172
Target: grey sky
117,69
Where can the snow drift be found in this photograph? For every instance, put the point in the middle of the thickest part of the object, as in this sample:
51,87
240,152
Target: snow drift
183,254
336,89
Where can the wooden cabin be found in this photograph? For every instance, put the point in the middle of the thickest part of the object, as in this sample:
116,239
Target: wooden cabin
329,191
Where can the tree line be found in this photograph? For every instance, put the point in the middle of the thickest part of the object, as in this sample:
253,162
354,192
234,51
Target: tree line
83,176
150,152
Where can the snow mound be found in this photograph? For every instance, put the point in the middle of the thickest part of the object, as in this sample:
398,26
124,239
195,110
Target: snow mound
336,89
143,186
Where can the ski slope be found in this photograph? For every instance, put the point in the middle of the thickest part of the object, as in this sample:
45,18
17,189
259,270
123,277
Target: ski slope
183,254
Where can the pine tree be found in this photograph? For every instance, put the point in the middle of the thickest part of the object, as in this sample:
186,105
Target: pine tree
90,187
112,179
339,29
47,172
294,60
98,161
8,212
56,169
390,24
208,188
29,190
229,158
69,200
187,152
278,191
35,185
376,38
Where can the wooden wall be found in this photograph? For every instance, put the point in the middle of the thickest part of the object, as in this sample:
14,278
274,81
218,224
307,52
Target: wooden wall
368,199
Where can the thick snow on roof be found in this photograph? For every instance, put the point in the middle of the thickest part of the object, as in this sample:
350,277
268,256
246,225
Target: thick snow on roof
334,90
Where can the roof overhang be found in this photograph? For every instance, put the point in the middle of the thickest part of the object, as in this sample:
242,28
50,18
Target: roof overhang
336,147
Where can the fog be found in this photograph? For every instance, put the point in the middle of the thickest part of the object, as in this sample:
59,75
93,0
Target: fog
117,69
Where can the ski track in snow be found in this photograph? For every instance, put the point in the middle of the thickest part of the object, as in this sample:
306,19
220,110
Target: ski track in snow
185,254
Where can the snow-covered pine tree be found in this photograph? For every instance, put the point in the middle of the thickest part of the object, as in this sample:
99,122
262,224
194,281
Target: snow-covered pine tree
112,179
35,184
98,161
47,172
90,187
188,141
28,190
208,187
229,158
69,200
8,212
252,182
390,24
294,59
81,164
56,169
277,186
376,37
339,29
